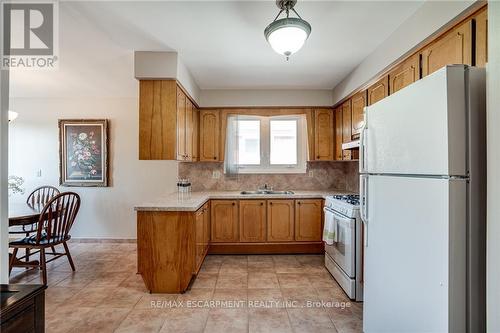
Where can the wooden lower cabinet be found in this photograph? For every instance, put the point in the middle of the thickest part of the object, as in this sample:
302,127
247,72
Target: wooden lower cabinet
202,238
225,224
252,220
166,250
172,245
308,220
280,220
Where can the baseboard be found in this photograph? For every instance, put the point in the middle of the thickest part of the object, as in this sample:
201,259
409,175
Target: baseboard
102,240
267,248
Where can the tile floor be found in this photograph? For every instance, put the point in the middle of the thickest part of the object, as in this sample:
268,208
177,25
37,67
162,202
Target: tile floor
258,293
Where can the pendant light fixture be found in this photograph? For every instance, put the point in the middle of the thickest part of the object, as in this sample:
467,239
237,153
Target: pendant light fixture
287,35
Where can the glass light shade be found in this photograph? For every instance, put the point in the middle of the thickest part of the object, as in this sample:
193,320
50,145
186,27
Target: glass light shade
288,35
12,115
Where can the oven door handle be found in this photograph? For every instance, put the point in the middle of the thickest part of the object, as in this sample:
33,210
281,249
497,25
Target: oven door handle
339,217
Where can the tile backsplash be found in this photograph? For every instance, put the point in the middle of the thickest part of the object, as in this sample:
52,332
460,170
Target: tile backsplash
325,176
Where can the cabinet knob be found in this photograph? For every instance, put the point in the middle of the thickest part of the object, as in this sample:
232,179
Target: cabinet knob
317,156
215,157
271,203
233,204
298,202
262,204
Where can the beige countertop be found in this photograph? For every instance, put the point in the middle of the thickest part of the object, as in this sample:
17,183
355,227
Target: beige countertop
194,200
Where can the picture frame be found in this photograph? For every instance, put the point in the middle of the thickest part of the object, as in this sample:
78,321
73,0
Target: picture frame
83,152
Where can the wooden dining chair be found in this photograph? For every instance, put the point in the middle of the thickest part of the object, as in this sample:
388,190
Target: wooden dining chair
41,195
53,227
38,198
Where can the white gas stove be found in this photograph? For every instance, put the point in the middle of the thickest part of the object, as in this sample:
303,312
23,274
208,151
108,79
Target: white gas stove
347,205
344,258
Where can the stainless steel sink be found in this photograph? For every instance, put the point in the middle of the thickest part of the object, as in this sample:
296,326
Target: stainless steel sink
264,192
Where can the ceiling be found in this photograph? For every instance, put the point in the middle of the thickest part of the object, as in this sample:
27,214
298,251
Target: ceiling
223,45
222,42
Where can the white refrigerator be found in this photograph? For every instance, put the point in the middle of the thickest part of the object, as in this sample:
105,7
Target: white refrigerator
423,201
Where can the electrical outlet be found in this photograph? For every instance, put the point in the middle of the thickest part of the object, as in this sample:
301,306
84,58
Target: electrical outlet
39,173
215,174
311,173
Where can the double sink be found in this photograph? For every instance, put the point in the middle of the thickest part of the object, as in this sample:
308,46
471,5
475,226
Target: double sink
266,192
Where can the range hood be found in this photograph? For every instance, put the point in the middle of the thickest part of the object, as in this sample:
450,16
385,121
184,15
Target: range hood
350,145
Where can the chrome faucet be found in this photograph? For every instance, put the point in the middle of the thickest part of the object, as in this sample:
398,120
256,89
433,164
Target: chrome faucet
266,187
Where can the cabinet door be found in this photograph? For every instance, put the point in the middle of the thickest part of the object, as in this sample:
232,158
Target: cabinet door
181,125
206,225
338,134
481,20
308,221
157,120
379,90
209,135
224,220
199,241
404,74
253,221
280,220
196,133
346,128
455,47
346,122
358,103
323,134
189,130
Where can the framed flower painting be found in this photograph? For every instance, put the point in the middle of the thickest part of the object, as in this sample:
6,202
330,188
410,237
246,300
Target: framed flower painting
83,152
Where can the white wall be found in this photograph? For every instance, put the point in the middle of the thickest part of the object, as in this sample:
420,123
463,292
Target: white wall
428,19
228,98
493,81
165,65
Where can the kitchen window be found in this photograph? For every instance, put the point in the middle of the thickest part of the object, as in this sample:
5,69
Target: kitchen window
256,144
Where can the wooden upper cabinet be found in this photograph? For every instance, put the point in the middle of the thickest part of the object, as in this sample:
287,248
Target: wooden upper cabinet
404,74
157,120
209,135
280,220
189,130
338,133
323,134
346,122
308,220
224,221
253,220
167,123
454,47
181,125
378,91
358,103
195,134
481,21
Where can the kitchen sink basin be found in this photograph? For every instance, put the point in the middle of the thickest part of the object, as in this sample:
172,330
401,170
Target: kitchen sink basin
264,192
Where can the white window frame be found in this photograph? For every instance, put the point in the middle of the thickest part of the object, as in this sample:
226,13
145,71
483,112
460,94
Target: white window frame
265,147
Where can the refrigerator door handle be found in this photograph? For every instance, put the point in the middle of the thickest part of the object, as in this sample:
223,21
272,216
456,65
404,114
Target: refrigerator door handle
363,191
362,150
